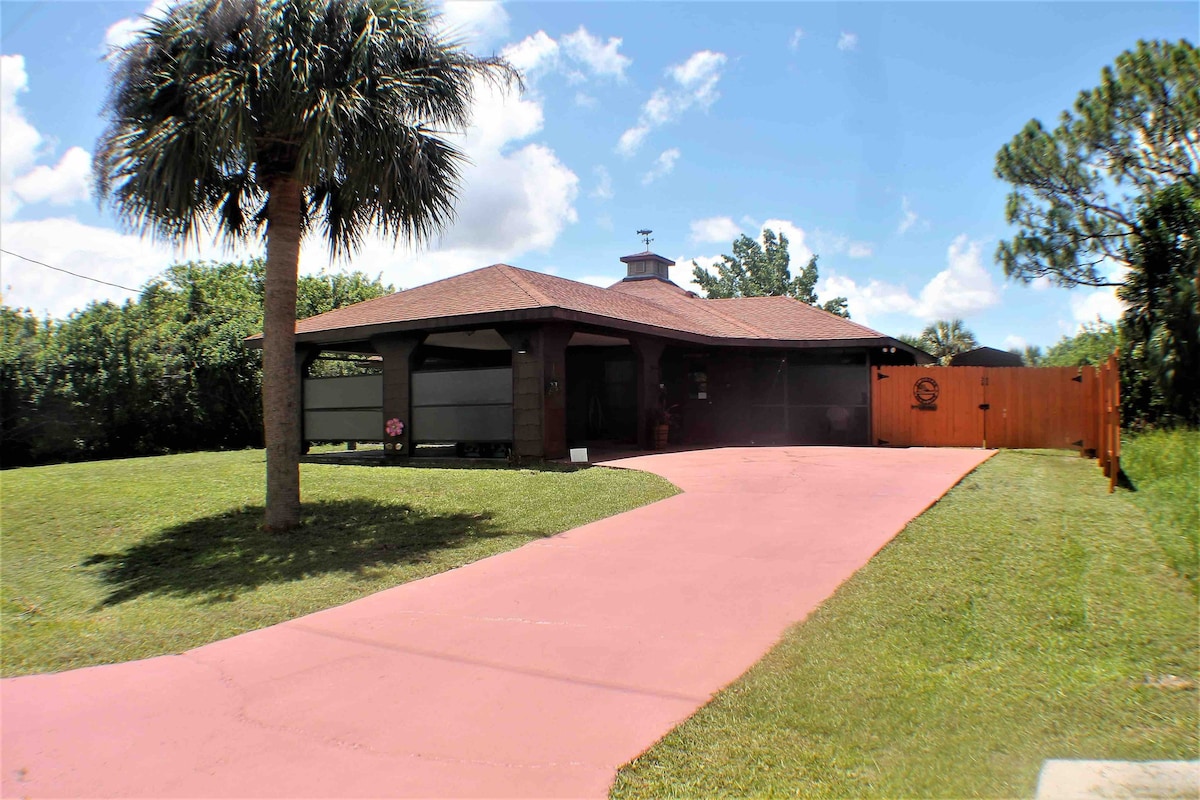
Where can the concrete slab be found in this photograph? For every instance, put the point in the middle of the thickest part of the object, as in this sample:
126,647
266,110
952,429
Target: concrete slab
1068,779
535,673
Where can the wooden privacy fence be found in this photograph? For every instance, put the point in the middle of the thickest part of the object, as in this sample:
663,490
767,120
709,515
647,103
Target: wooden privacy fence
1105,402
1053,407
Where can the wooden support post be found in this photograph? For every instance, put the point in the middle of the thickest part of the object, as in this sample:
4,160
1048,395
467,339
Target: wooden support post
305,355
528,429
648,353
554,382
397,352
539,368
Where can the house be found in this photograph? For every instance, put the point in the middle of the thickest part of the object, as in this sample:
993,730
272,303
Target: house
987,357
504,360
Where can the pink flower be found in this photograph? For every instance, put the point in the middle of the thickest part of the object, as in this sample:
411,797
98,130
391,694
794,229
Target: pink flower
394,427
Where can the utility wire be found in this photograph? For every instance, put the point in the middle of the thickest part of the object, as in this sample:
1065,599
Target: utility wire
181,295
67,271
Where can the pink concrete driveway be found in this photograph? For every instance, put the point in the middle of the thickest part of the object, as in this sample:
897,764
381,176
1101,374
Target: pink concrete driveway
535,673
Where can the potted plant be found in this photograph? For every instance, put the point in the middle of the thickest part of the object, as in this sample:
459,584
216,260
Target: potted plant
660,427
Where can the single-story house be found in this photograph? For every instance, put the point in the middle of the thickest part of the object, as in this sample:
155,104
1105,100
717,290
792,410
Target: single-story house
503,360
986,357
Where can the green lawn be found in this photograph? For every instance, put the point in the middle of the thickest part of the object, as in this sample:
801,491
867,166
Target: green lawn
116,560
1028,615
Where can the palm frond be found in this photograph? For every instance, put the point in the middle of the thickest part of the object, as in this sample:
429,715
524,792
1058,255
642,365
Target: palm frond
213,102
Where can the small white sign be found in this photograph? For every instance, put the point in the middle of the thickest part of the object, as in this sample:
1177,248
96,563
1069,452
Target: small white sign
579,455
703,395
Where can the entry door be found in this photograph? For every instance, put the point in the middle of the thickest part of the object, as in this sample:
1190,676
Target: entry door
699,413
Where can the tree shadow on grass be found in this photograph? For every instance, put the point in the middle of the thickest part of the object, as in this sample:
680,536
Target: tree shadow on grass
219,556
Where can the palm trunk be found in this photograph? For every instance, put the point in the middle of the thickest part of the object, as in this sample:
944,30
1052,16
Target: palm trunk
281,412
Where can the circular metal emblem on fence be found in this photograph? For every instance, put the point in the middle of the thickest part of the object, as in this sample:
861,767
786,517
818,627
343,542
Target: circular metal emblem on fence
926,391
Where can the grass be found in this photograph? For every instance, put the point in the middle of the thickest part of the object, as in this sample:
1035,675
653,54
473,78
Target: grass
117,560
1028,615
1164,467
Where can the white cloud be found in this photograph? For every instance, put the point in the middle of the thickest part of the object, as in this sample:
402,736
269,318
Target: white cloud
1102,303
909,217
516,197
604,189
847,41
715,229
66,183
600,58
827,243
22,179
123,31
603,281
1041,283
965,287
631,140
1014,342
584,100
533,55
19,140
798,249
869,300
101,253
699,75
961,289
797,35
475,22
578,55
663,166
512,202
693,84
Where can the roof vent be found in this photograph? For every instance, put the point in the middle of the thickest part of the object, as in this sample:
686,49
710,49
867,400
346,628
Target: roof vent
647,265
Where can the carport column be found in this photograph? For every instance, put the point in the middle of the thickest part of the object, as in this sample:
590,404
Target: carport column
528,391
539,366
554,374
397,351
305,355
649,378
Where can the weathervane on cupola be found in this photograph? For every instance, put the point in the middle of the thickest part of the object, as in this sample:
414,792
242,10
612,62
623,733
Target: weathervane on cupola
646,264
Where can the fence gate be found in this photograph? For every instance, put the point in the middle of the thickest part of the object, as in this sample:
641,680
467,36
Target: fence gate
981,407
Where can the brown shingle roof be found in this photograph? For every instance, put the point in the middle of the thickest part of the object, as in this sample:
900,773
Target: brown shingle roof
647,302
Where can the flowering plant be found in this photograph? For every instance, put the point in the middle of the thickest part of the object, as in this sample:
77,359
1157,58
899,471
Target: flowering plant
394,427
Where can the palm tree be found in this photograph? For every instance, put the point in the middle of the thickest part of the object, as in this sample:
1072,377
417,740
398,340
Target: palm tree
236,117
947,338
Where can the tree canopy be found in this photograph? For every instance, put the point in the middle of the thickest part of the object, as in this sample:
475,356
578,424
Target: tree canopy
764,270
249,116
1162,322
167,371
945,339
1076,187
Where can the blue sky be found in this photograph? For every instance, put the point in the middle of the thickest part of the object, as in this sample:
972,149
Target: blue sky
866,131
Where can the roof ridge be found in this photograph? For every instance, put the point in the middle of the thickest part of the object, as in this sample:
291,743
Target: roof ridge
532,291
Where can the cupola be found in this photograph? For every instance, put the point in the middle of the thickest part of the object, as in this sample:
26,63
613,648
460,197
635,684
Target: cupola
647,265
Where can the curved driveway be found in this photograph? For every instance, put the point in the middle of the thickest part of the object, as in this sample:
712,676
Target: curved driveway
533,673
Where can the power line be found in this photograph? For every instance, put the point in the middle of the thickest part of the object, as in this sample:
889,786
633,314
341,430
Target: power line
67,271
214,306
